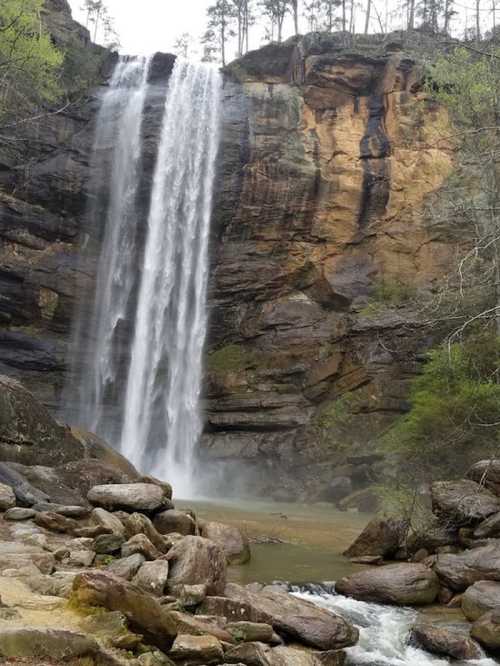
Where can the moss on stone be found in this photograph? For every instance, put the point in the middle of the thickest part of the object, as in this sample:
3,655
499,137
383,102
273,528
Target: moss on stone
230,358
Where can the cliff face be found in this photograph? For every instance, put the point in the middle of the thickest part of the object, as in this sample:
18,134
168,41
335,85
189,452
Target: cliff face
329,158
320,242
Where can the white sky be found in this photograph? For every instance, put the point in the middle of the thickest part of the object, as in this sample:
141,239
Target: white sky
147,26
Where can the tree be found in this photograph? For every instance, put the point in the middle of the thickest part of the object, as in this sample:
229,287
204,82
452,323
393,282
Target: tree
183,45
29,62
244,17
275,11
221,17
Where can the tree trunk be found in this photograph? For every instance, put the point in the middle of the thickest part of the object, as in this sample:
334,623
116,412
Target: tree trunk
478,21
295,9
344,17
411,16
367,18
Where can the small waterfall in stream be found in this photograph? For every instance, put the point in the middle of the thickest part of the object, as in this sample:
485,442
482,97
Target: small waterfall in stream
159,288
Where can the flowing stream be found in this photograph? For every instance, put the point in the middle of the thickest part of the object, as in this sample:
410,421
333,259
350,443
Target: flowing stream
383,631
151,376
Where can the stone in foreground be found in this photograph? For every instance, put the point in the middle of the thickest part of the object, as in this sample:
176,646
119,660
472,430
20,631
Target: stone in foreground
382,536
196,650
486,630
487,472
401,584
295,618
463,502
39,643
234,544
195,560
131,497
480,598
448,641
459,571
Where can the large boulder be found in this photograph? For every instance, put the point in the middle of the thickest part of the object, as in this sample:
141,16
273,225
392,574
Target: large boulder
463,502
144,612
147,497
402,584
83,475
487,472
195,560
295,618
28,433
486,630
446,640
459,571
152,577
234,544
489,528
382,536
97,449
167,522
480,598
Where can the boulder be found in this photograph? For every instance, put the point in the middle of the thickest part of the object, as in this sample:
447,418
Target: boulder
194,626
446,640
195,560
131,497
486,630
171,520
144,612
295,618
250,631
7,497
382,536
126,567
50,484
459,571
110,522
140,544
26,494
260,654
55,522
234,544
486,472
194,650
402,584
233,610
16,556
97,449
152,577
80,558
19,513
69,511
167,488
42,643
108,544
191,595
463,502
489,528
480,598
83,475
138,523
28,433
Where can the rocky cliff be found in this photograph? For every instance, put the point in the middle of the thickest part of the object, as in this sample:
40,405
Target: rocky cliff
321,241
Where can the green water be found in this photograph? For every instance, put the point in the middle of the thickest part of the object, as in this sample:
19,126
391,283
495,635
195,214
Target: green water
313,538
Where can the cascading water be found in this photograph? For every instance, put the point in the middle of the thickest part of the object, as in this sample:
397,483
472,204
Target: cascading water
160,287
161,418
383,631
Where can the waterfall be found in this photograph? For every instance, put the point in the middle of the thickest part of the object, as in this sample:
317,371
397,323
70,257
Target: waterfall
115,167
160,288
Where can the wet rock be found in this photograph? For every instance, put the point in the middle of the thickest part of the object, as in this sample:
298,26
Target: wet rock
382,536
486,630
152,577
7,497
446,640
55,522
138,523
250,631
28,433
146,615
131,497
140,544
174,521
19,513
459,571
480,598
63,510
295,618
41,643
234,544
127,567
108,544
195,560
463,502
489,528
194,650
103,518
487,472
402,584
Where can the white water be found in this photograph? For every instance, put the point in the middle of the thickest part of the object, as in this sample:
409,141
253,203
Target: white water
162,423
383,633
115,165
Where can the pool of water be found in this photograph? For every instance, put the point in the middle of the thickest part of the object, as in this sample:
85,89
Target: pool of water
300,542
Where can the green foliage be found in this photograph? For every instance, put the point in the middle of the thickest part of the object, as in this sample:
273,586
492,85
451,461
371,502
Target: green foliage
388,293
230,358
455,408
29,62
